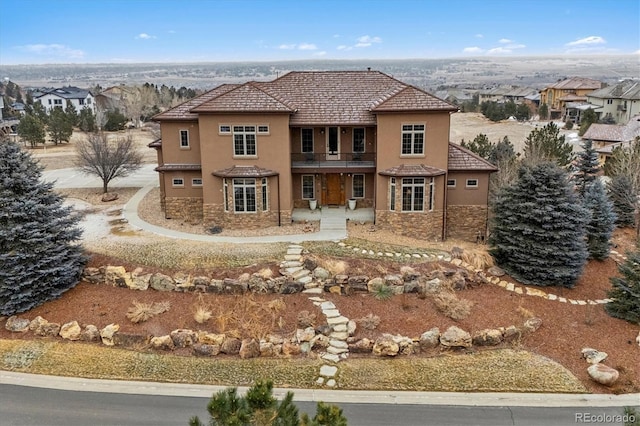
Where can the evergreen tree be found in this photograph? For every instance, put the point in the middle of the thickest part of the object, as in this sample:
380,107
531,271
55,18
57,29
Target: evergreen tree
326,415
31,130
600,227
543,112
87,121
504,157
523,112
39,253
71,113
546,144
59,127
587,166
538,231
115,121
588,118
626,290
624,198
480,145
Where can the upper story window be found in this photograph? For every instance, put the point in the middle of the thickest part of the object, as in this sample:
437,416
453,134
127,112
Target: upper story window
224,129
307,140
413,139
184,139
358,139
88,101
244,140
263,129
196,182
57,101
451,183
177,182
81,101
609,101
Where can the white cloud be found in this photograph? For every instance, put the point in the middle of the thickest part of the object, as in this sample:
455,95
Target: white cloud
504,41
144,36
287,46
474,49
301,46
321,53
498,51
587,41
479,36
366,39
307,46
57,50
637,52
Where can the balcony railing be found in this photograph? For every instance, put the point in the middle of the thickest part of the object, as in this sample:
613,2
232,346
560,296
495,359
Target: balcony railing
325,159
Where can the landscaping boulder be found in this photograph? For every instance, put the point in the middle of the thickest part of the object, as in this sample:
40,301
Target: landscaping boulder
305,334
267,349
183,338
487,337
430,339
231,346
374,284
140,282
36,324
106,334
358,282
117,276
48,329
109,196
210,338
70,331
201,349
162,342
363,345
321,273
511,333
496,271
162,282
290,348
17,325
532,324
319,341
393,279
250,348
455,337
90,334
351,327
291,287
593,356
385,346
408,273
603,374
233,286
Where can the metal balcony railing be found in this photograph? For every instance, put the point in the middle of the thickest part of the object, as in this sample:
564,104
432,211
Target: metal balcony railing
327,159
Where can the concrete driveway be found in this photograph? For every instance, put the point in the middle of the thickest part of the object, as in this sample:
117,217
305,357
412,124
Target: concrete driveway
74,178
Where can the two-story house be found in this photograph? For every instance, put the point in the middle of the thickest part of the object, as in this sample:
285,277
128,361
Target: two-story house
246,155
607,137
619,102
571,90
52,98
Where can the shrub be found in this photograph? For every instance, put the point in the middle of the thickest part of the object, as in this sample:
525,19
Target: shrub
451,306
479,259
369,322
141,312
383,292
202,314
306,319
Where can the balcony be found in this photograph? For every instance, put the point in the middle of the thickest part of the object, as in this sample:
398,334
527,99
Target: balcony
326,162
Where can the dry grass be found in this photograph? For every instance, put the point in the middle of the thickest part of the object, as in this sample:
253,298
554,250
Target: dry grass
369,322
202,312
306,319
451,305
479,259
141,312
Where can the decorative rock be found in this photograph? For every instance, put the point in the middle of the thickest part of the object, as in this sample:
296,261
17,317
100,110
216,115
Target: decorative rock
290,349
70,331
320,341
17,325
593,356
321,273
231,346
106,334
496,271
488,337
328,370
408,273
140,282
48,329
183,338
250,348
200,349
532,324
361,346
331,383
108,197
374,284
455,337
291,287
385,346
211,338
351,328
430,339
305,335
233,286
603,374
535,292
162,342
511,333
310,264
90,334
162,282
266,349
117,276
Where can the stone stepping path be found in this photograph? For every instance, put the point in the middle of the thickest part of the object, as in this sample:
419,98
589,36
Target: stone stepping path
429,256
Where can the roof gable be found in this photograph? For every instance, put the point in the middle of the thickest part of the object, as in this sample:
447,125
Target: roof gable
182,111
576,83
413,99
461,159
245,98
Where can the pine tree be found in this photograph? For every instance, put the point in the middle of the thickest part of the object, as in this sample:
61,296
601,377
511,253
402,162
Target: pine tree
538,231
587,166
623,196
602,223
39,253
59,127
546,144
626,290
31,129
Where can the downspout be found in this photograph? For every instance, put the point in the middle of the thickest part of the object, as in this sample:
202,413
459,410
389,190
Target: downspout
279,213
445,208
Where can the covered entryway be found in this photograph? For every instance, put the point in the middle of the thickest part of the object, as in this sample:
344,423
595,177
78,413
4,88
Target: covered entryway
334,192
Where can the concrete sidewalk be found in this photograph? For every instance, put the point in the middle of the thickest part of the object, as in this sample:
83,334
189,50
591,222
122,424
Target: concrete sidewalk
489,399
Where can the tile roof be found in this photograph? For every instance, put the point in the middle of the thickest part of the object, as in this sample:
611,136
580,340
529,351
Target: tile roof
461,159
155,144
575,83
412,170
244,171
628,89
182,111
614,132
316,98
170,167
69,92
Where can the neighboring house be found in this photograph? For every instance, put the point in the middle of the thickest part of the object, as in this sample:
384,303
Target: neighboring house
19,107
116,97
495,94
572,89
606,137
455,96
79,98
244,156
619,102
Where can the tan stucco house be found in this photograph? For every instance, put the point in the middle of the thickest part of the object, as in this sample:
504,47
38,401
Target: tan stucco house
246,155
568,91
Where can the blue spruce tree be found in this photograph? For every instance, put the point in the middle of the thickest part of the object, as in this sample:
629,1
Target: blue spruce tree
538,233
602,222
39,255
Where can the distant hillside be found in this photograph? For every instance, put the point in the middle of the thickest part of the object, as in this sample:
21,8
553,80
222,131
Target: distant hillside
430,74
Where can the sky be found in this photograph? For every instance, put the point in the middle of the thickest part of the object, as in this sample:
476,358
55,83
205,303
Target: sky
135,31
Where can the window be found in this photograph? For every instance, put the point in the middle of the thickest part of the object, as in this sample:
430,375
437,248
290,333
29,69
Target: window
244,140
81,101
88,101
265,197
451,183
412,194
412,139
358,139
432,194
472,183
392,194
57,101
224,129
609,101
357,190
308,187
178,182
196,182
263,129
49,101
307,140
225,194
244,195
184,139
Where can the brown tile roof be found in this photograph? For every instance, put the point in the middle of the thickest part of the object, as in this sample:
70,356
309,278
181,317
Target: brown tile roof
181,112
244,171
316,98
614,132
412,170
575,83
155,144
178,167
461,159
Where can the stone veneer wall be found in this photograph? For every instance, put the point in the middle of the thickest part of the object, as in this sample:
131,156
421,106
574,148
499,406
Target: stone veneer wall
185,208
424,225
467,222
214,215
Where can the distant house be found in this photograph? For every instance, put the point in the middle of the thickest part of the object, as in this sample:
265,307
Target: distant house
495,94
19,108
619,102
571,90
246,155
116,97
79,98
606,137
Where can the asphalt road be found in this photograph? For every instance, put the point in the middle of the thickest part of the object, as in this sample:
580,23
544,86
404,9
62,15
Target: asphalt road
28,406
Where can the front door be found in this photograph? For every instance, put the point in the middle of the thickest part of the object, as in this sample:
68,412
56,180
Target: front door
334,190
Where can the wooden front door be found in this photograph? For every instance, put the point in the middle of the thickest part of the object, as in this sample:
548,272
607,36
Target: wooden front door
334,190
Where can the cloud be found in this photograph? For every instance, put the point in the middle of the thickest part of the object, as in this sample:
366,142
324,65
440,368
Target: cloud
287,46
307,46
499,51
301,46
587,41
479,36
474,49
145,36
57,50
366,41
504,41
343,47
321,53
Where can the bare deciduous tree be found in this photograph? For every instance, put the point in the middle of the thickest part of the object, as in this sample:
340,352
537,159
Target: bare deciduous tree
107,158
